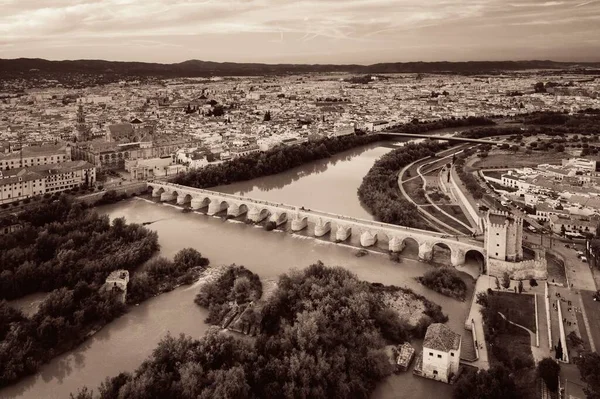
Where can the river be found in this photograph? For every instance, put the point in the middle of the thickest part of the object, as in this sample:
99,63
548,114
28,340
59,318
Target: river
328,185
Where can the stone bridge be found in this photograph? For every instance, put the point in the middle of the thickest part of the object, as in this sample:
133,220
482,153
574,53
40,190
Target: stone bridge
338,226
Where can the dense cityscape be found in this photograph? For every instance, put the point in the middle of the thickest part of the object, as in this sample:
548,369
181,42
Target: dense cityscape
296,230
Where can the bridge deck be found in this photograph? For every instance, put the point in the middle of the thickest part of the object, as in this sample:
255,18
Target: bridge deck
308,212
437,137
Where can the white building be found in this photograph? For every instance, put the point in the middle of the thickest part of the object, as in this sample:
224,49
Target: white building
22,183
514,180
441,353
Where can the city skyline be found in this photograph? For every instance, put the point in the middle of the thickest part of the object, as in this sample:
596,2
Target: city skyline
328,31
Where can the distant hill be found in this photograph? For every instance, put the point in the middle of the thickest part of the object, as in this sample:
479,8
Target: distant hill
23,67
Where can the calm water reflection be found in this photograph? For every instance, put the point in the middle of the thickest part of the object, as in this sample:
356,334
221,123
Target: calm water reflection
327,185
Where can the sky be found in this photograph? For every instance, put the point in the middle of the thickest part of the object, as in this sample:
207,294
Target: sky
301,31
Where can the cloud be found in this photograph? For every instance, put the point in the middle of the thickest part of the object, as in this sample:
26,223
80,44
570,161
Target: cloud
27,27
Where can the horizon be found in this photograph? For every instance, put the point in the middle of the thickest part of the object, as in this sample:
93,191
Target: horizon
361,32
300,63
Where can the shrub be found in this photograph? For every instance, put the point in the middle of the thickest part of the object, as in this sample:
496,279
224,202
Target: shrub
533,283
446,281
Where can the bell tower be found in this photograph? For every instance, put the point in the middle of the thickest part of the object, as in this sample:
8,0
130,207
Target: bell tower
82,129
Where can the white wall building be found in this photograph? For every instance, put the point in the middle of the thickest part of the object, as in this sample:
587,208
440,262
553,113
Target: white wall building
441,353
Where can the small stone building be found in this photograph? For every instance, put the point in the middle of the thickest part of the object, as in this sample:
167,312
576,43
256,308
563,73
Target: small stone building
441,353
117,282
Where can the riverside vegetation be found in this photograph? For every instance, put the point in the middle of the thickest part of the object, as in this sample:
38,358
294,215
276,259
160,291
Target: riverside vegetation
275,160
57,251
232,294
379,191
322,335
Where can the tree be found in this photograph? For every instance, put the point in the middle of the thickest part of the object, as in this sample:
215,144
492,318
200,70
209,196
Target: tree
520,286
267,116
589,369
548,370
495,383
560,148
188,258
563,230
539,87
505,280
533,283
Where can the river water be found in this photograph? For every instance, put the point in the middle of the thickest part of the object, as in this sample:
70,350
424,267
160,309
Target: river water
325,185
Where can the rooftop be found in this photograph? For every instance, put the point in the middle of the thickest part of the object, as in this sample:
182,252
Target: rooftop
441,338
36,151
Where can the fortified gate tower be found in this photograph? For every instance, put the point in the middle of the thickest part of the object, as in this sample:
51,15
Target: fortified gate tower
504,236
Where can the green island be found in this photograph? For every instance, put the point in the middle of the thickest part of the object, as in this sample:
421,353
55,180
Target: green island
446,281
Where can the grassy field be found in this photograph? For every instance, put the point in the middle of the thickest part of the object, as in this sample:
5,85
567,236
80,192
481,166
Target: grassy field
518,308
456,211
519,159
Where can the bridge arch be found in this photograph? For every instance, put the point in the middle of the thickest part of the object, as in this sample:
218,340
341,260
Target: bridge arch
217,205
157,191
410,246
279,218
184,198
199,202
475,256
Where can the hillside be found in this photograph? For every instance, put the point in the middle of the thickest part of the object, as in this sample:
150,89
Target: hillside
195,68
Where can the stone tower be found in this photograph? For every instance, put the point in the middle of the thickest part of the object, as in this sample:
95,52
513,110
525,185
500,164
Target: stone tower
82,129
504,236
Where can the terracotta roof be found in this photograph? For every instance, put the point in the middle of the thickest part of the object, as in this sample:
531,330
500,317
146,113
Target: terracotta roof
441,338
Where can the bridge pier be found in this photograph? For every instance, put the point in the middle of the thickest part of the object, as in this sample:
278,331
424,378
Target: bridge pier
215,207
167,196
156,192
367,239
199,203
457,257
425,252
235,210
181,199
322,228
278,218
396,244
256,215
299,224
342,233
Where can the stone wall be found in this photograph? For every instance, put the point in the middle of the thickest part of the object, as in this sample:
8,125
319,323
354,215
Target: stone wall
524,270
461,196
